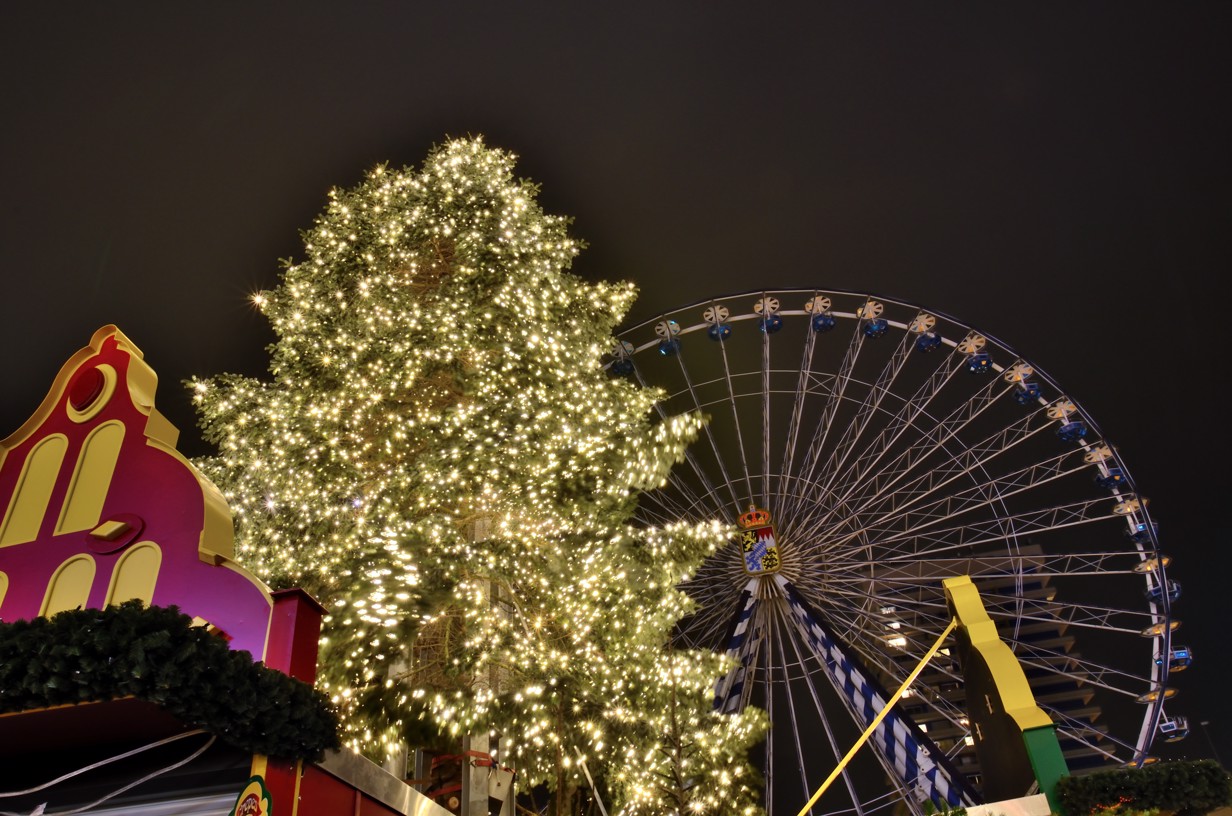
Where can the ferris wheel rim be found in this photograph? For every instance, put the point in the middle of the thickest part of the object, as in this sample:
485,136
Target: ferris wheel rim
701,325
717,311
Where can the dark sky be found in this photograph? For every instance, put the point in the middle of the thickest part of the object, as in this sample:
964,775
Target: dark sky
1055,174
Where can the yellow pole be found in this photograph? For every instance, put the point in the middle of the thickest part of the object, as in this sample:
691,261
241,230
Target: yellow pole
881,715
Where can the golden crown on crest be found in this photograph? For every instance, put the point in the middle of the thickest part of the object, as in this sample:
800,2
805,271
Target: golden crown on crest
756,517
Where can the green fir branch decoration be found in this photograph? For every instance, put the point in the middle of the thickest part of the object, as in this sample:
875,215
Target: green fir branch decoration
1185,788
157,655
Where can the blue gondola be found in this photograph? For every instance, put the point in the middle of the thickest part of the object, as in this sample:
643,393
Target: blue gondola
1027,394
1179,659
620,367
719,331
979,362
927,341
1115,479
770,324
823,322
669,346
1072,431
1156,593
876,327
1141,533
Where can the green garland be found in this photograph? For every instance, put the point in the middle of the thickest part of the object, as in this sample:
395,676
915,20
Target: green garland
157,655
1184,788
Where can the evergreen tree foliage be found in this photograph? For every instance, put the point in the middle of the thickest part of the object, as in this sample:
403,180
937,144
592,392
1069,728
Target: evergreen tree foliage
440,458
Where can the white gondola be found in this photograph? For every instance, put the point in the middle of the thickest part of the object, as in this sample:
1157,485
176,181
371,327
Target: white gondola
1174,729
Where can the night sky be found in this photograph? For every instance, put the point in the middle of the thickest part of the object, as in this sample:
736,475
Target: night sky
1056,175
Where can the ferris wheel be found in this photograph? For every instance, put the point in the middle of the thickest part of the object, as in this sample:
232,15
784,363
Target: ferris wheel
869,449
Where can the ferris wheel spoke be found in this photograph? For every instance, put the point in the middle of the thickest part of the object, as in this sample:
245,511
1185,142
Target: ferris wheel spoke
1052,615
662,508
865,412
868,484
706,628
712,589
927,435
974,463
856,605
1092,622
998,566
768,674
1109,618
697,505
1083,732
821,431
714,445
912,647
1074,667
897,737
679,485
683,497
713,609
793,716
914,513
803,387
735,415
912,639
907,418
1031,656
912,546
840,513
766,490
798,653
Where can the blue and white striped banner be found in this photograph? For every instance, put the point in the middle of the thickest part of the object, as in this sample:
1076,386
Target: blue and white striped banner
921,766
918,762
729,696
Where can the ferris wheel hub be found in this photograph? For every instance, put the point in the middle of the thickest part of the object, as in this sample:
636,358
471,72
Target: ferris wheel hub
757,542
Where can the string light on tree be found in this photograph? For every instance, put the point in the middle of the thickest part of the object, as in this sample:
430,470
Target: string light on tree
439,457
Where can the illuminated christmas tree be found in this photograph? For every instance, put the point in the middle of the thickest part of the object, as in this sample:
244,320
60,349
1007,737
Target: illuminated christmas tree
440,458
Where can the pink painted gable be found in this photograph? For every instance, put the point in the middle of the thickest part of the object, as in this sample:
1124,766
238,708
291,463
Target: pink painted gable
97,506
